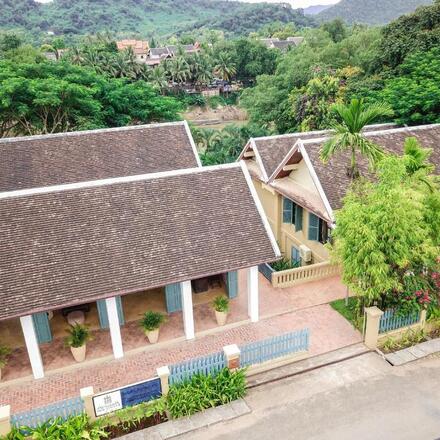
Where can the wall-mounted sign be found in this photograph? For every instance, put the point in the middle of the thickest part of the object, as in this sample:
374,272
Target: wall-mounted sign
130,395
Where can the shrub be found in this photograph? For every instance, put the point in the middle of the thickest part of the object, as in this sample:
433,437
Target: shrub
284,264
202,392
78,336
4,355
408,339
221,303
76,427
152,320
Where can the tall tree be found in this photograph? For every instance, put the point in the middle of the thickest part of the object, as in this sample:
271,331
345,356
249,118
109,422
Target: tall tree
224,67
348,132
384,231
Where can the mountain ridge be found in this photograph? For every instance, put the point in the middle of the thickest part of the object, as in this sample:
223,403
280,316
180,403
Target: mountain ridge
373,12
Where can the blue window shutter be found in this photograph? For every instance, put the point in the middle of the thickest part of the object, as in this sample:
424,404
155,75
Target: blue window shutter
298,218
232,284
287,210
102,312
173,295
313,227
42,327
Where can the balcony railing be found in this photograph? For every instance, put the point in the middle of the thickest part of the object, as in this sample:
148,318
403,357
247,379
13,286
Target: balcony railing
292,277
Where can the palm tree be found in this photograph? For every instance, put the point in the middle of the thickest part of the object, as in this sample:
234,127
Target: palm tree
224,68
416,160
179,70
348,133
158,78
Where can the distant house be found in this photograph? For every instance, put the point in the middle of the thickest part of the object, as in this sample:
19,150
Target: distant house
157,54
140,48
283,45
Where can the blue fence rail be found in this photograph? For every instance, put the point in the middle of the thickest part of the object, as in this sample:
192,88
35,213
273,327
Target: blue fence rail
389,321
204,365
275,347
37,416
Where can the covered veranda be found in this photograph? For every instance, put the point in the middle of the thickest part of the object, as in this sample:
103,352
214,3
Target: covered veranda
37,340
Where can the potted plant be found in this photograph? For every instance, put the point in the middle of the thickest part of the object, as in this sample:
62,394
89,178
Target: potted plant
4,355
78,337
221,307
150,322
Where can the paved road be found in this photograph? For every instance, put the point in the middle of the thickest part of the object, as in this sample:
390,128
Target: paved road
363,398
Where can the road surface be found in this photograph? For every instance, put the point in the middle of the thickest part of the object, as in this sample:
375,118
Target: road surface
363,398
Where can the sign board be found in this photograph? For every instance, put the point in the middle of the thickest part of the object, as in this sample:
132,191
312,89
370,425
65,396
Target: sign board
130,395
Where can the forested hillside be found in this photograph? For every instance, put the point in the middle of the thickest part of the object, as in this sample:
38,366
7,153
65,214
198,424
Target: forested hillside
370,11
145,17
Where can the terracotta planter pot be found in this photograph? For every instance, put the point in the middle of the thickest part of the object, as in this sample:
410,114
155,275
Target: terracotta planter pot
221,317
79,353
152,336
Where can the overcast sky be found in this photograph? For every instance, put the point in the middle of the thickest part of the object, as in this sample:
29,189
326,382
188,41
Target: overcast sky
299,3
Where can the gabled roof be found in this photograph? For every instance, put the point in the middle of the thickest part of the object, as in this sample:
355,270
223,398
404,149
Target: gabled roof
331,180
36,161
77,243
273,149
333,176
138,46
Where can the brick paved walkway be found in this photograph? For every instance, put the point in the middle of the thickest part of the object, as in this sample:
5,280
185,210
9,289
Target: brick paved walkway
329,331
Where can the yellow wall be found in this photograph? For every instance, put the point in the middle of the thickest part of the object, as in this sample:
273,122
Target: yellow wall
285,234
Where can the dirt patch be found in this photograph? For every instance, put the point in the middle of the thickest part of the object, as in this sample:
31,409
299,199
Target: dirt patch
209,116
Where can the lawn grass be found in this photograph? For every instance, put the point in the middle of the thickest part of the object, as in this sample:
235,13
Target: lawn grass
349,312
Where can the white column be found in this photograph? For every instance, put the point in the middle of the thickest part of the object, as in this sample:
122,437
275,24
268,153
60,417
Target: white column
115,328
187,306
252,286
30,338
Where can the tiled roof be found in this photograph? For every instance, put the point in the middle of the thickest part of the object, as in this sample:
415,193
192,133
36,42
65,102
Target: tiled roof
273,149
333,176
159,51
138,46
36,161
77,243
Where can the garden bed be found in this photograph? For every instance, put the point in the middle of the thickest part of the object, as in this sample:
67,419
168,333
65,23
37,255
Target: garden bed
123,428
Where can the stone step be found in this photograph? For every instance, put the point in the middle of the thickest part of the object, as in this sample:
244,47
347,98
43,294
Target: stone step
308,364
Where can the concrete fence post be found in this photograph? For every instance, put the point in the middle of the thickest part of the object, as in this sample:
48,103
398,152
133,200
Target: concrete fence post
5,420
232,354
164,376
423,319
373,315
87,397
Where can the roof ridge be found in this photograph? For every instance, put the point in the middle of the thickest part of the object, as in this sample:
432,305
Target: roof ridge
95,131
113,181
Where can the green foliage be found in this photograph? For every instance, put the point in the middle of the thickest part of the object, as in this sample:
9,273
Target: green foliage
414,92
79,335
382,232
202,392
284,264
4,355
417,32
370,11
408,339
145,17
152,320
224,146
352,312
310,78
221,303
56,97
74,428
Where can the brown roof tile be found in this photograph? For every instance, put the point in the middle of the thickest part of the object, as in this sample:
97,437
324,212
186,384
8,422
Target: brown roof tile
333,176
62,247
36,161
273,149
